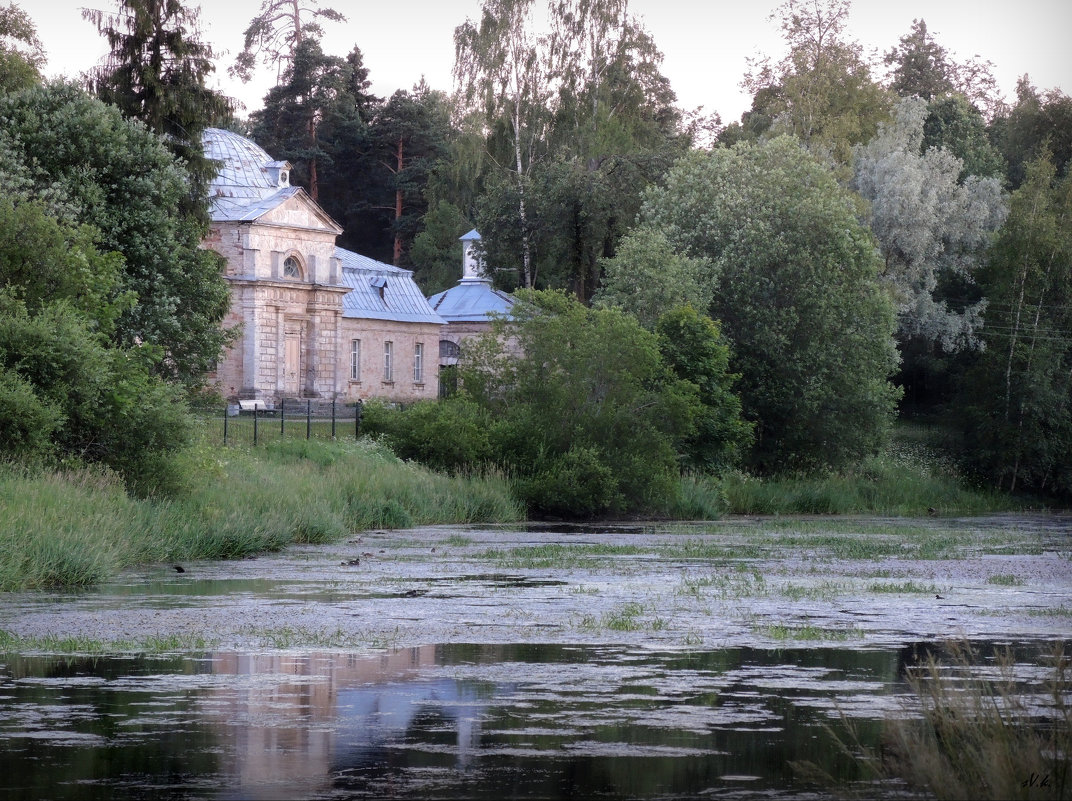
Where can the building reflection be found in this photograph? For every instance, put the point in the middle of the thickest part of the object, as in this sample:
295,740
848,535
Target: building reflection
296,717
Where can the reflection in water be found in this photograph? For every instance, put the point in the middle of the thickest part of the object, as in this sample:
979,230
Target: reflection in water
531,721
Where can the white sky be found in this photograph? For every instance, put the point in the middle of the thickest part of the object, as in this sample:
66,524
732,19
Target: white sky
705,42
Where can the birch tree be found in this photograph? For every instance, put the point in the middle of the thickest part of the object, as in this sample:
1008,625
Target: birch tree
1018,412
501,68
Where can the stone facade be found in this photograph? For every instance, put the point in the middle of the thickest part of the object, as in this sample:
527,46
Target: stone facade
301,302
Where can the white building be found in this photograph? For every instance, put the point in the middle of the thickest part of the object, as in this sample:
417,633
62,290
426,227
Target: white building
316,321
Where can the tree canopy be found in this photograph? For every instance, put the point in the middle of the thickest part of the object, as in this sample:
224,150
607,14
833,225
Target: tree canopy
90,166
928,223
795,285
822,91
156,73
1017,401
273,36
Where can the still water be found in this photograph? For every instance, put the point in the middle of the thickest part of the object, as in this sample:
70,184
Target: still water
442,721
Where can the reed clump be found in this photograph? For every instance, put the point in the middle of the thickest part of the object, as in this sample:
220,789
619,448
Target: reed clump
970,730
78,527
980,735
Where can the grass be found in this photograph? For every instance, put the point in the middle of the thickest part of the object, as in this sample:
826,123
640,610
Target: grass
904,588
808,632
737,584
239,500
967,731
1006,580
555,556
289,637
150,644
911,477
236,502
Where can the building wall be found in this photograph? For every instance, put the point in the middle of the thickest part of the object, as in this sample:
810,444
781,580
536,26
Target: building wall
289,325
403,336
295,341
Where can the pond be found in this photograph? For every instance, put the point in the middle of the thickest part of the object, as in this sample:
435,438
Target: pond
639,661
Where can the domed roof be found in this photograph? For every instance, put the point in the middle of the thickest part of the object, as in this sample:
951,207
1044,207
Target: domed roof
247,174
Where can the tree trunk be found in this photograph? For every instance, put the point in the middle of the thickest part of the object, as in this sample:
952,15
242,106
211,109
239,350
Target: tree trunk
398,209
526,258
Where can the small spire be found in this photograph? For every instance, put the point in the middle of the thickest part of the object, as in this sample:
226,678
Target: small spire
471,262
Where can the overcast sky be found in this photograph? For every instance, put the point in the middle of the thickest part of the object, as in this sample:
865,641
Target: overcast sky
705,43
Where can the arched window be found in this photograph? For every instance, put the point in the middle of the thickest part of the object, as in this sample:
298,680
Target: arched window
291,267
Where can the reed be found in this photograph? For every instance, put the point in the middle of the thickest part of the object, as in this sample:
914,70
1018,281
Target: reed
912,477
980,735
79,527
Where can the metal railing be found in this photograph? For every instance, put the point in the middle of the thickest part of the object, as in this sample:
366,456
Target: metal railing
308,418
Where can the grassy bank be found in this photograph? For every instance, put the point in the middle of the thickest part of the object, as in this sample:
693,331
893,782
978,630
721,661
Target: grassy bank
79,527
912,477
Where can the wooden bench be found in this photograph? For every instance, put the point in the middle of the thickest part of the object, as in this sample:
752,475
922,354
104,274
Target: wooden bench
252,405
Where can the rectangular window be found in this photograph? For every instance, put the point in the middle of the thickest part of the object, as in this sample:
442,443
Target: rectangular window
388,361
355,359
418,363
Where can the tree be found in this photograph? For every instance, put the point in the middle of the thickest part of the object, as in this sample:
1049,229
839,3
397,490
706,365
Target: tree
822,91
587,412
921,67
647,278
437,251
409,133
953,123
276,32
156,73
584,120
21,52
795,286
1017,405
928,224
1040,122
691,344
67,390
501,69
87,165
316,118
612,98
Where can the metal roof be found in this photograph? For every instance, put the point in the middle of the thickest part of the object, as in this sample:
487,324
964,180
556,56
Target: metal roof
381,291
470,300
248,180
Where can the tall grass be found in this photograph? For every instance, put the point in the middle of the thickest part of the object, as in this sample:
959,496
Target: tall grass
981,737
913,476
78,528
975,733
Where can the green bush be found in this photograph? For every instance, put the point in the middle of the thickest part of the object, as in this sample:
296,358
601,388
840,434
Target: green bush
451,435
574,484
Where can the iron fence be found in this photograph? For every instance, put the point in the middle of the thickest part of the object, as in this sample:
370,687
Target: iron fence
306,418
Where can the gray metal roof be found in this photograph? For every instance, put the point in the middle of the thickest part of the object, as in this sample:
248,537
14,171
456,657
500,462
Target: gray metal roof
248,178
381,291
470,300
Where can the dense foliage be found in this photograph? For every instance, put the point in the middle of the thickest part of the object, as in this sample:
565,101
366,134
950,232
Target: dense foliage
795,285
585,411
156,72
66,390
91,166
1018,399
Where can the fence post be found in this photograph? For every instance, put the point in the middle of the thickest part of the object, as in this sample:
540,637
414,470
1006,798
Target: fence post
333,418
255,405
308,418
282,415
225,410
357,419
